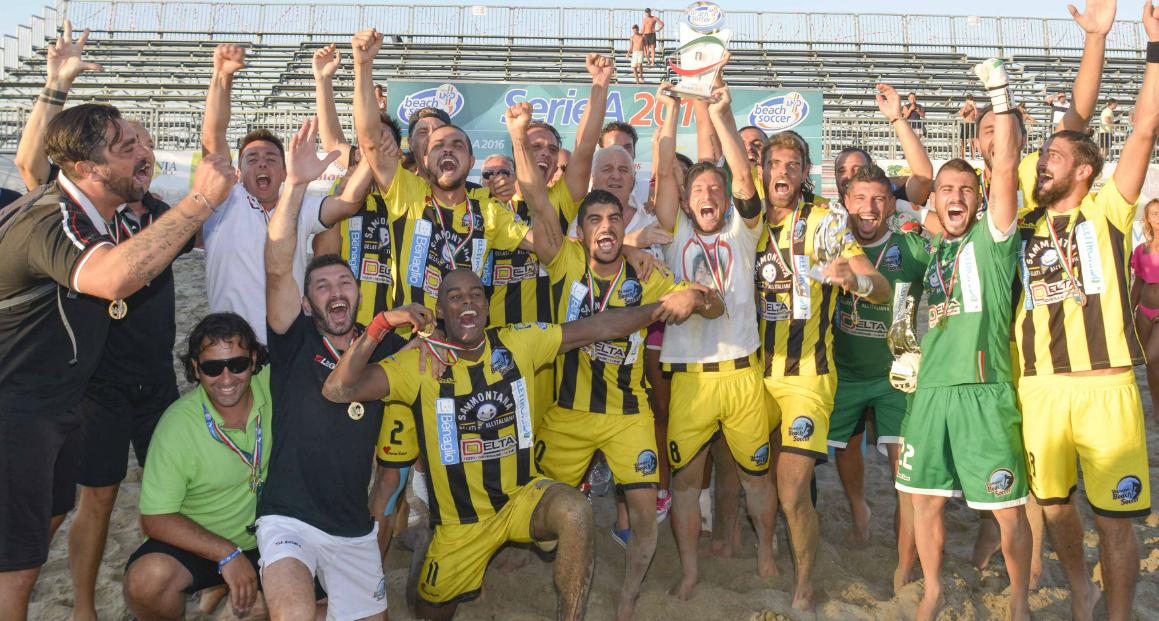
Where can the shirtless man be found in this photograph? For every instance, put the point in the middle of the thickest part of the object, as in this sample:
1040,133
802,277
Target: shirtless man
652,25
636,53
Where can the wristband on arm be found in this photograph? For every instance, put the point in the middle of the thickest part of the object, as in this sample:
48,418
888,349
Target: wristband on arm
225,561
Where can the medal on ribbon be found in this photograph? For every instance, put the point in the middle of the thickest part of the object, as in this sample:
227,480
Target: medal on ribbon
1069,262
252,460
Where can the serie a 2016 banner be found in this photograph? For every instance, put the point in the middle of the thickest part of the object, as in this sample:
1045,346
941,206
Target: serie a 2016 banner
478,107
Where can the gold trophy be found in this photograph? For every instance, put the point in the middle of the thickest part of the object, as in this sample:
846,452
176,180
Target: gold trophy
907,353
703,45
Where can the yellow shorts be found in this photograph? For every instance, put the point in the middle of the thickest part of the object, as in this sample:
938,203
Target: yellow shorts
398,440
1099,419
459,553
544,384
809,400
705,403
568,439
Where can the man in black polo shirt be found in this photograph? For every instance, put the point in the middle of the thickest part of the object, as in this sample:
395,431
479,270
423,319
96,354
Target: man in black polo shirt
134,381
61,279
313,515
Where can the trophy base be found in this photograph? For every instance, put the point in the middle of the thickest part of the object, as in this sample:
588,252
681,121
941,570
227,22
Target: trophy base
676,92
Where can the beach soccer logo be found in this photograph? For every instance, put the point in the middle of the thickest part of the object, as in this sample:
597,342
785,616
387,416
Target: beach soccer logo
445,97
761,457
801,429
780,112
1128,490
646,462
501,360
1001,482
631,291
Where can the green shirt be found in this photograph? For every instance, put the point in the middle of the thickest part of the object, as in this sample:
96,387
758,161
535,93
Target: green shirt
189,472
859,342
968,341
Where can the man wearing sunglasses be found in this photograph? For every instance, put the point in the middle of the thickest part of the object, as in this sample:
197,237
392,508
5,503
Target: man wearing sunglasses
313,516
206,464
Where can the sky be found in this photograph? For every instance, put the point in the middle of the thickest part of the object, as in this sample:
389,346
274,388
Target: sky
19,11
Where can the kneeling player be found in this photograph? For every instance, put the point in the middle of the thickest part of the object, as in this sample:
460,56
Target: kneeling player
473,425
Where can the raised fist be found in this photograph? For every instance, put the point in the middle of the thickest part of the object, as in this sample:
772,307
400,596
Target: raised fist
992,73
228,58
326,62
601,68
518,118
214,178
365,46
64,57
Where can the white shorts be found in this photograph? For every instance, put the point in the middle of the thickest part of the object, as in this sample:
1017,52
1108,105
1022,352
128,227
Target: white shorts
349,568
637,59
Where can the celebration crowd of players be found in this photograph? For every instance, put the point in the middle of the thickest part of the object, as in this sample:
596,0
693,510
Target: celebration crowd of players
490,341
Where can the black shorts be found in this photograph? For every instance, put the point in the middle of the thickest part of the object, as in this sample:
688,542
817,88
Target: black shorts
203,570
115,416
650,39
39,460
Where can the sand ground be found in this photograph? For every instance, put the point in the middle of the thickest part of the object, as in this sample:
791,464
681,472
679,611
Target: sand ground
853,583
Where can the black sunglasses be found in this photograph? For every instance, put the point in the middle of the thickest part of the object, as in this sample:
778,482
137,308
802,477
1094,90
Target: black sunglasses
487,174
213,368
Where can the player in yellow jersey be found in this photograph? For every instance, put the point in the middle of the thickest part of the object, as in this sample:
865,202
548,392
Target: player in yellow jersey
601,392
796,317
1078,345
473,428
1096,21
434,224
716,386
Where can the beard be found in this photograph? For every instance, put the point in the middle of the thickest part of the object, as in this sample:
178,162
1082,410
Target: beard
322,320
1059,188
123,188
454,184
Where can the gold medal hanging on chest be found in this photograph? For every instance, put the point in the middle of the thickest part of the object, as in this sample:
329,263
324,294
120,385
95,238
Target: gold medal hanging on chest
118,309
356,411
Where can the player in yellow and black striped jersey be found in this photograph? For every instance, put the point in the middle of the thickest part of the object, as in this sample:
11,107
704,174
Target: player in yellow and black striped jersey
473,426
1075,320
795,313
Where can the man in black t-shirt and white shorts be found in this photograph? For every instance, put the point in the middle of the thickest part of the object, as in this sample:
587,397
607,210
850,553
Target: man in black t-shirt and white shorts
313,514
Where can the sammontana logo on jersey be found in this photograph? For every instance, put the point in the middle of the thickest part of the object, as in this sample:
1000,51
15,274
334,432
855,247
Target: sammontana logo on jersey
485,411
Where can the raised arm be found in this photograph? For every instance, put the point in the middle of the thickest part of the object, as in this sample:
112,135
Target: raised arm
547,236
114,272
283,297
920,181
353,379
228,59
1136,154
349,201
612,323
1096,22
667,193
64,64
367,125
325,64
708,147
579,168
744,189
1007,144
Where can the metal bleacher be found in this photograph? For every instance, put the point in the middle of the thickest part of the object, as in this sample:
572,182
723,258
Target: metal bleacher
157,58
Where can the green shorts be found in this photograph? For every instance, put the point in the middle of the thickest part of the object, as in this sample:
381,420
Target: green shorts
851,405
965,440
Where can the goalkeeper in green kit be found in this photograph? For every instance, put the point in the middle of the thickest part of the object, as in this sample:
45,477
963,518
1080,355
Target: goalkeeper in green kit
962,436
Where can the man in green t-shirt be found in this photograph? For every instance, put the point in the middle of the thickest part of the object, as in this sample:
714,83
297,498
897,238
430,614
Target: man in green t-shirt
862,355
965,399
206,465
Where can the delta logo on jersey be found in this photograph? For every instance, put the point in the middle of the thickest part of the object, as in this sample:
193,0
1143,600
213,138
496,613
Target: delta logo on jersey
780,113
445,97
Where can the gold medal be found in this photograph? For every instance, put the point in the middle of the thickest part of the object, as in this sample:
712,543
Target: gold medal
118,309
425,334
355,411
1079,297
